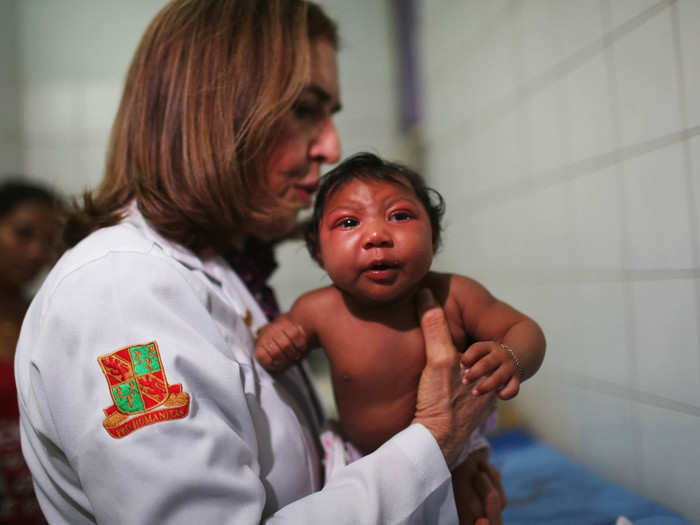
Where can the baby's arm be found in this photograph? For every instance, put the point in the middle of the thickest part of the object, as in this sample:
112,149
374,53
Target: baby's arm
287,339
510,346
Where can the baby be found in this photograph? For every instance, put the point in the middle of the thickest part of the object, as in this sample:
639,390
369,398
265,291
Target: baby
374,230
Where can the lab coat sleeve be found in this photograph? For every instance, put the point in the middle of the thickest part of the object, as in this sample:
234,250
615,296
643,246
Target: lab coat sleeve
202,468
405,481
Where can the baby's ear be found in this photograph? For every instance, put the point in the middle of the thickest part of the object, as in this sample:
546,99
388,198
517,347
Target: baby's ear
311,239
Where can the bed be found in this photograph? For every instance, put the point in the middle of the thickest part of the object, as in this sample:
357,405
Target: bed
546,488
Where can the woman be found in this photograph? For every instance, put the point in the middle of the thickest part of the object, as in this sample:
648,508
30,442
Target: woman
28,228
141,400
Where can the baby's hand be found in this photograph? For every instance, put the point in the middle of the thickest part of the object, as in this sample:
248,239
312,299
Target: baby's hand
494,365
280,344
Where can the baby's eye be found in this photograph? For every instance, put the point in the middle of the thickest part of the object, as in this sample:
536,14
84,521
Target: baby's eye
348,222
400,216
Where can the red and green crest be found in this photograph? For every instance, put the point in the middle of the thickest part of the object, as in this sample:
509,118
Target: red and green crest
138,387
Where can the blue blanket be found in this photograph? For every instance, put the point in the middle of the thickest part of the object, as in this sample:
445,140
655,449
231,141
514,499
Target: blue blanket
546,488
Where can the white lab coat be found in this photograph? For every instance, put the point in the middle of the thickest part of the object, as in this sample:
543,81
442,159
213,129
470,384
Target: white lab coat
245,453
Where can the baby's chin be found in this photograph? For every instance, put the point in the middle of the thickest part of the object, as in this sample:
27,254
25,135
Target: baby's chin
389,298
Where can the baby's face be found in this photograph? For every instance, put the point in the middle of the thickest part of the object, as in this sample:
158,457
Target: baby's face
375,240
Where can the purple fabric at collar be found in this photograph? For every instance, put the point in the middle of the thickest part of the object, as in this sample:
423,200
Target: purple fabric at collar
254,265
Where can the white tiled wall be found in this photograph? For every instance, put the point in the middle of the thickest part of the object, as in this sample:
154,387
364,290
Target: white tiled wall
565,135
688,13
10,155
72,56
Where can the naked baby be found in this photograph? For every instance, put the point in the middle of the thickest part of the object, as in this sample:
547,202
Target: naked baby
374,230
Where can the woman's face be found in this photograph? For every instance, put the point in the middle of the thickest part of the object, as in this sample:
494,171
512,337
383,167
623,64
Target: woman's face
27,241
308,140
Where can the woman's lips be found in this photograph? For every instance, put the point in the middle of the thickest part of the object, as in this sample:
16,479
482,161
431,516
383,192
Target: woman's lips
305,192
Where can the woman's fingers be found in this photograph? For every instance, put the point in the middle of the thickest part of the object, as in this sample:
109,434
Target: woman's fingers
494,480
469,504
495,476
490,497
439,347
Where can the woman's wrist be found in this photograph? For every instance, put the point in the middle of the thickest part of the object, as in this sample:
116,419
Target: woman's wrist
440,437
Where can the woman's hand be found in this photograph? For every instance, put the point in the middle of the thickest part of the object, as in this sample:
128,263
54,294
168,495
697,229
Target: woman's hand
479,493
445,406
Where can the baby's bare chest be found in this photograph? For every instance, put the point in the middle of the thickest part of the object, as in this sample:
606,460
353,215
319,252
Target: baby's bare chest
367,352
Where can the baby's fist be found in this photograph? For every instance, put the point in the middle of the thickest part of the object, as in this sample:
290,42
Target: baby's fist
493,367
280,344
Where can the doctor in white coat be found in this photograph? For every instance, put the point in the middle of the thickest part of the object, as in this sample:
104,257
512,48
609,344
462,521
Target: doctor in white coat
140,399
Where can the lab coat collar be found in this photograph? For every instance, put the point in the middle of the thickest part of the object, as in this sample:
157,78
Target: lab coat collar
213,266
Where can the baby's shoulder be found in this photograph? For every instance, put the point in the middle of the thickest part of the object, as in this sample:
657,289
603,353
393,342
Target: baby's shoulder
324,300
323,295
452,284
456,292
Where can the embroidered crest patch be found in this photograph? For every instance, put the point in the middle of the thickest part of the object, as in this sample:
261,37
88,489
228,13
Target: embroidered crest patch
139,390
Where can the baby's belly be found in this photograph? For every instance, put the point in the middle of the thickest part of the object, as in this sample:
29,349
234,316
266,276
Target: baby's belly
375,383
369,417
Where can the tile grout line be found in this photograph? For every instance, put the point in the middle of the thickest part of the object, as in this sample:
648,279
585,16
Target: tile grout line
687,159
486,32
527,90
585,167
630,320
611,389
510,276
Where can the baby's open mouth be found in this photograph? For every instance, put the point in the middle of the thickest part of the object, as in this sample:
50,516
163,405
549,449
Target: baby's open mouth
379,266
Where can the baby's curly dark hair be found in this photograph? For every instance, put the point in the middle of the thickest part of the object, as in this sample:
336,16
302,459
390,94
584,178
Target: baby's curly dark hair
368,166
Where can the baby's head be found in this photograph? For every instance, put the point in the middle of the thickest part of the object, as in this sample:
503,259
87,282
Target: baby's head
375,229
370,167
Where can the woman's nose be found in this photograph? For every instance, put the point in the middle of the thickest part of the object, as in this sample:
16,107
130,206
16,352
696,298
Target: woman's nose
377,236
326,147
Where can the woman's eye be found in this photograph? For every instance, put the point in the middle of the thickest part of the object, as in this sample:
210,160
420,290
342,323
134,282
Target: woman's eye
306,111
400,216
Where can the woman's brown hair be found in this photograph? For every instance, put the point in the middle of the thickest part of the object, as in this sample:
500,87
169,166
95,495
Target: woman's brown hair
207,87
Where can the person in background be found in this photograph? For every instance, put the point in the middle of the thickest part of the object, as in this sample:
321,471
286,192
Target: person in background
29,224
375,229
140,396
